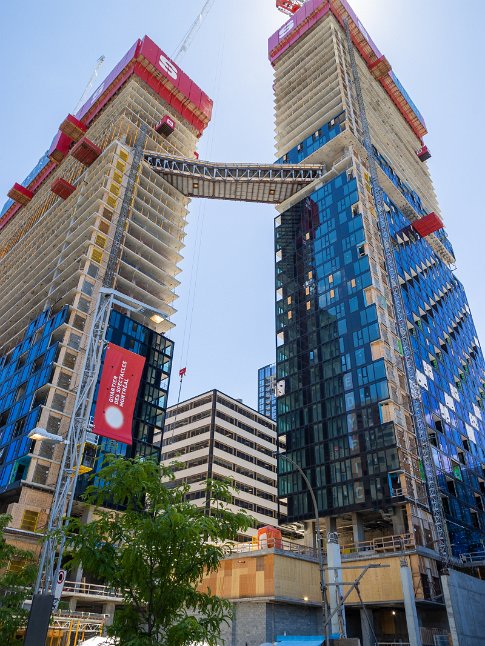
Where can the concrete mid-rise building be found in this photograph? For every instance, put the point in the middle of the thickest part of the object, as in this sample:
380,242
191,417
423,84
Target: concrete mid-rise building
216,436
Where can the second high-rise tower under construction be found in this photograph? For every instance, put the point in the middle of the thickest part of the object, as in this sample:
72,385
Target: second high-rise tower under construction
380,374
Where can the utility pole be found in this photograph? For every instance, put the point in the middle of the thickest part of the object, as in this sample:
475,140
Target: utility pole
323,585
53,548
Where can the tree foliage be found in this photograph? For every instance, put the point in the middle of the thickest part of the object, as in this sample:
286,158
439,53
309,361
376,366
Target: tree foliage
15,586
156,552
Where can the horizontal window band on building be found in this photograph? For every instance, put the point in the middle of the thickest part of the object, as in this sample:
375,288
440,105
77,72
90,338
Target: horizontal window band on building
238,486
239,503
244,456
251,506
248,429
219,430
181,437
186,450
245,411
185,421
244,441
196,495
243,471
184,407
252,415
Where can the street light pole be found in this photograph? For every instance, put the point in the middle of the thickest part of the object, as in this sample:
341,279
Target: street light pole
323,585
50,563
43,600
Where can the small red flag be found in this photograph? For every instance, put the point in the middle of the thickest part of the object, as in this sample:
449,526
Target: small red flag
182,372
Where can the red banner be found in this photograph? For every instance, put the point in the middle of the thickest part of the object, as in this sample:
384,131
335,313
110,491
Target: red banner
118,389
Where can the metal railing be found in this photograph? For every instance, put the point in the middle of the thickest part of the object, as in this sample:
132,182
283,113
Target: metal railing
384,544
225,171
87,622
472,558
74,588
276,544
435,636
395,543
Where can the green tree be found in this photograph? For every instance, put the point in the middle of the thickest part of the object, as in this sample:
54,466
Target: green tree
156,552
17,575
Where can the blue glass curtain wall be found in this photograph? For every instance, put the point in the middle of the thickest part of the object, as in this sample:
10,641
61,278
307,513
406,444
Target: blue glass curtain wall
451,371
330,411
151,404
23,374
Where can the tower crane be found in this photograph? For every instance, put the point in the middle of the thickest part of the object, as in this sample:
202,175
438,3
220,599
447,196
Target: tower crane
90,84
194,28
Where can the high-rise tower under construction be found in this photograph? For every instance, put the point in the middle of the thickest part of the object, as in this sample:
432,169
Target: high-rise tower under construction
91,215
380,373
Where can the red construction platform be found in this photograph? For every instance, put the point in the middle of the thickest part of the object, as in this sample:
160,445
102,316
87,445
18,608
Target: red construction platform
423,153
85,151
62,188
288,6
73,128
60,147
20,194
380,67
428,225
165,126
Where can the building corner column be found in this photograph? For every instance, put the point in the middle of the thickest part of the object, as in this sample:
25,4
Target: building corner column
414,633
334,580
367,627
446,585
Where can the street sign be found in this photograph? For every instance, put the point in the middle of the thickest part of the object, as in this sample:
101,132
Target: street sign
59,587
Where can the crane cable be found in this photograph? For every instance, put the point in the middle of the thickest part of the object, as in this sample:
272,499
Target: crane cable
194,270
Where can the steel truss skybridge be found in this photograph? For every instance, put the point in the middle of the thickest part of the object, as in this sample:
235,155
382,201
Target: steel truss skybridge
267,183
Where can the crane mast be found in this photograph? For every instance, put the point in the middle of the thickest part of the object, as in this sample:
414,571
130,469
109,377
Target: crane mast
90,84
409,362
194,28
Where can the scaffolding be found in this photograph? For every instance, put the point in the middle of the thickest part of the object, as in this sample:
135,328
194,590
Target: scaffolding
402,324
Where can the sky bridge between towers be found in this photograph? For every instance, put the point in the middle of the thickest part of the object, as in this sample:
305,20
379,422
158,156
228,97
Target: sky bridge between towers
266,183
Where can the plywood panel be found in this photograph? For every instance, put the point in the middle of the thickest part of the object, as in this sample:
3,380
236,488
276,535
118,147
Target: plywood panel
297,579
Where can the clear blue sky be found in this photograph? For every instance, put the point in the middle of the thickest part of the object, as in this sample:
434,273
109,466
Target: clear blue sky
49,49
